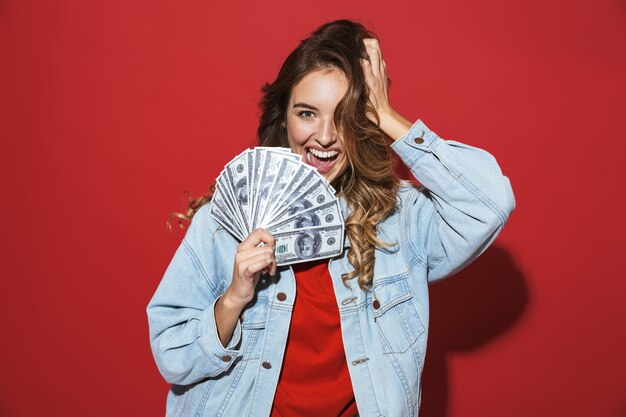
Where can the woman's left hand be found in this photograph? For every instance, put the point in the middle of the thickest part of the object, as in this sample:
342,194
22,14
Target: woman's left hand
376,77
375,70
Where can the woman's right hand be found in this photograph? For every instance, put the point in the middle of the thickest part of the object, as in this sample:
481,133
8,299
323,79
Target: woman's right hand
251,260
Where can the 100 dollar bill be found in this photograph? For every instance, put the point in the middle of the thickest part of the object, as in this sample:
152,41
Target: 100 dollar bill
327,215
307,245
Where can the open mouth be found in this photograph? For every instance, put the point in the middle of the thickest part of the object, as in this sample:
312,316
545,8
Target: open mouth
323,161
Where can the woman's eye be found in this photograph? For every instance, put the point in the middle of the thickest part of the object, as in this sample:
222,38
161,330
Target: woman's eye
306,114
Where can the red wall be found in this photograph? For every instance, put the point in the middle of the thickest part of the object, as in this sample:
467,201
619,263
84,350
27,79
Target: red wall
110,110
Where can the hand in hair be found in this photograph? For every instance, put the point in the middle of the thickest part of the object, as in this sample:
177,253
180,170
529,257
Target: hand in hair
375,71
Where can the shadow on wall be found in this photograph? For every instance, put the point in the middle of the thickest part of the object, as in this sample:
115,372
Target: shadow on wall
468,311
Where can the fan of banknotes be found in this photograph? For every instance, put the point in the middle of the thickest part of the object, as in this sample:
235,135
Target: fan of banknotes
274,189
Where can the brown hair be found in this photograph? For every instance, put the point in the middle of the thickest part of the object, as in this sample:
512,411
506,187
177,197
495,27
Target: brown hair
369,185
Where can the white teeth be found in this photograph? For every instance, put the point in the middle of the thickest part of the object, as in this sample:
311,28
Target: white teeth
322,154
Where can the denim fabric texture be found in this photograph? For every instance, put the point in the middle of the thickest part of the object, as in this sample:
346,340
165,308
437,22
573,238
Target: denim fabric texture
437,229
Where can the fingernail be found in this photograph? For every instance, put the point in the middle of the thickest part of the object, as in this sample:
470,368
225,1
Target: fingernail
268,260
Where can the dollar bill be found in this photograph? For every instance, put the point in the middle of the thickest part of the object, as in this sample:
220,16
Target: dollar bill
218,212
287,172
307,245
265,160
228,194
328,214
277,167
305,196
258,156
237,174
295,173
305,178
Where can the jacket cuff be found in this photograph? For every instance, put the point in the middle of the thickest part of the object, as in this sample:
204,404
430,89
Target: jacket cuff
220,356
419,137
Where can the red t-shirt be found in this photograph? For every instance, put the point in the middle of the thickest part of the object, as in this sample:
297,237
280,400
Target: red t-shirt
314,380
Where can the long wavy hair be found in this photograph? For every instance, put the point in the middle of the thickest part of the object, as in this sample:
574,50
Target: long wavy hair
369,184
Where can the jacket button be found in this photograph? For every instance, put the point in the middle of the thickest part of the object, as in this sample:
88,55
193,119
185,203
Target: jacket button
226,358
266,365
418,140
281,296
376,304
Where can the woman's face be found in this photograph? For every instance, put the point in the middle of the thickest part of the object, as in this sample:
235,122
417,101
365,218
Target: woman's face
311,130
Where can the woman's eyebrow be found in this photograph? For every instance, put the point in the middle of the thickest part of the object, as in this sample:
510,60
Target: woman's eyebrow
306,106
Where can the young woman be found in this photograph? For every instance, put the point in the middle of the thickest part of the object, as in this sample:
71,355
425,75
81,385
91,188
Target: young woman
237,336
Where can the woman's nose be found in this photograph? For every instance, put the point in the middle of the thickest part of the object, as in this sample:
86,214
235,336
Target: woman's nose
327,133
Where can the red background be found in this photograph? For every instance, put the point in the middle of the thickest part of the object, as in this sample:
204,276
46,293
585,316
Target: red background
110,110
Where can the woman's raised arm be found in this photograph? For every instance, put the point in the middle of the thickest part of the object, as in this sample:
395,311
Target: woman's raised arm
466,200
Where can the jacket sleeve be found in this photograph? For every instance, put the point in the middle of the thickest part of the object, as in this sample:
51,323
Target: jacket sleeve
183,332
464,203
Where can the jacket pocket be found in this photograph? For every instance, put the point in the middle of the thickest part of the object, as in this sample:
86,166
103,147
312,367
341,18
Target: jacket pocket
399,325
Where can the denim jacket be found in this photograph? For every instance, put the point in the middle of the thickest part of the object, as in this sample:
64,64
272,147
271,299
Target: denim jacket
437,229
